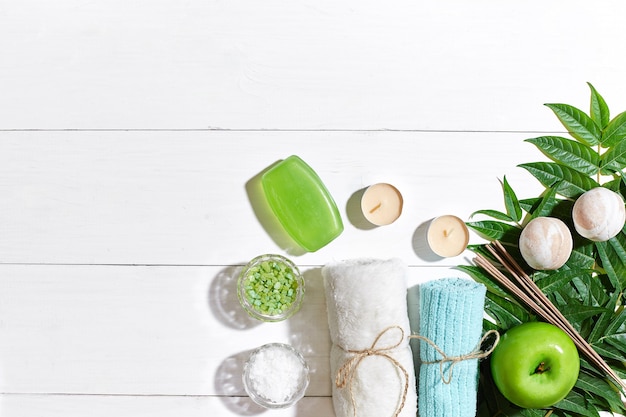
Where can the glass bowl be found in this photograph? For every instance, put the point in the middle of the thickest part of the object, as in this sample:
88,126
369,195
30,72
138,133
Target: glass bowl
270,288
275,375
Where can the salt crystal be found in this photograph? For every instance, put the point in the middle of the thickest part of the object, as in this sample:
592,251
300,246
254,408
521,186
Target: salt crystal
276,373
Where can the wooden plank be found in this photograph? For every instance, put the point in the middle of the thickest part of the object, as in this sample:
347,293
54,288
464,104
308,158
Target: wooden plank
132,330
155,406
141,330
450,64
131,134
192,198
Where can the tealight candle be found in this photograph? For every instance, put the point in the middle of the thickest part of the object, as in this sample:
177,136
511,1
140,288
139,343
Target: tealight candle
381,204
447,236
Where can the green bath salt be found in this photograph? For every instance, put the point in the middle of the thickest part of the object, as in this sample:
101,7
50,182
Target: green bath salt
270,287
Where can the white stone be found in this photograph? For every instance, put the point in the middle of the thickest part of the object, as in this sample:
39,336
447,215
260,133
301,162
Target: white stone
546,243
599,214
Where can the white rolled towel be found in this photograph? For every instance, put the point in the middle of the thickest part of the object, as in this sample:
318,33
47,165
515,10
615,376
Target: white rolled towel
369,329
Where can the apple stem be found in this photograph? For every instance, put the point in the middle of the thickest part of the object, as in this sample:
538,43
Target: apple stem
542,368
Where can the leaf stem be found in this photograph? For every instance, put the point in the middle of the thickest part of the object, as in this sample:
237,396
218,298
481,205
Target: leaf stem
598,174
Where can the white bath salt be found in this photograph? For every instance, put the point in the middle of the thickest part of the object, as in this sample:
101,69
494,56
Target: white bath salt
276,374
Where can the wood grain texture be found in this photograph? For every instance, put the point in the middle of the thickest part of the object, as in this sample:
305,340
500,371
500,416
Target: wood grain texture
142,330
132,135
145,406
122,330
192,198
451,65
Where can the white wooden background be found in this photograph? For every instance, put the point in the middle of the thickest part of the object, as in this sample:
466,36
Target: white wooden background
132,133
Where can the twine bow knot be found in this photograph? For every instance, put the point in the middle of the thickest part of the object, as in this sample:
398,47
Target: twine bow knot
453,360
346,374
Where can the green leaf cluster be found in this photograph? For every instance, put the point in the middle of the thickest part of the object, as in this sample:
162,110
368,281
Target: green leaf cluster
589,288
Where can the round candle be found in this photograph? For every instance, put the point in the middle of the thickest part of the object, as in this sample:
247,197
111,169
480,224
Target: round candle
447,236
381,204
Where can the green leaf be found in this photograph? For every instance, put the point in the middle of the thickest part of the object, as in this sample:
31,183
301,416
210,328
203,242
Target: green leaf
600,387
569,152
582,293
614,160
547,204
603,253
568,182
612,254
598,296
533,412
488,325
577,123
618,247
529,204
599,111
506,313
599,327
563,209
617,322
495,214
615,131
576,313
511,202
479,275
576,403
496,230
587,367
618,185
607,351
614,185
607,323
618,341
553,281
544,205
590,289
582,257
619,368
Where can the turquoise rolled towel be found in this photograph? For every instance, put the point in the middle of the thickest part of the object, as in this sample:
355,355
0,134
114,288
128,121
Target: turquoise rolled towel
451,315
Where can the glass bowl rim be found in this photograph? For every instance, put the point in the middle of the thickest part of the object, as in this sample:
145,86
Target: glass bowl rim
295,305
298,395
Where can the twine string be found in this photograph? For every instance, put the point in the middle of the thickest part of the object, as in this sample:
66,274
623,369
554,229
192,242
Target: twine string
346,374
477,353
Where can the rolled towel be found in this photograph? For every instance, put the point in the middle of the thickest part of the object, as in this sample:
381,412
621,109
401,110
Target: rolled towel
451,315
370,360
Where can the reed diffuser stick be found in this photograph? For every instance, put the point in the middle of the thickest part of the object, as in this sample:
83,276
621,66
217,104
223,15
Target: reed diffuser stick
526,291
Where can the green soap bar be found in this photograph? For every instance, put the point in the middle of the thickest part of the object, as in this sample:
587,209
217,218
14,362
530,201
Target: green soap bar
302,204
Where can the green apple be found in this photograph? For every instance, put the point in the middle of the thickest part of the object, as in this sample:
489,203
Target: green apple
535,365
